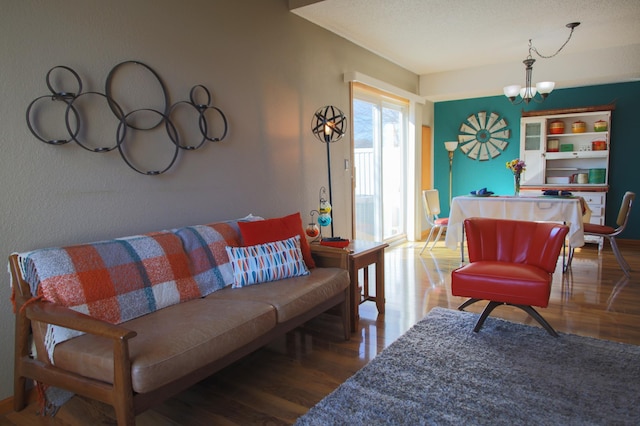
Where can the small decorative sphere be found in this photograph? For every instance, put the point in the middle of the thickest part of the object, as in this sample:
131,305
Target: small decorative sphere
324,219
325,207
312,230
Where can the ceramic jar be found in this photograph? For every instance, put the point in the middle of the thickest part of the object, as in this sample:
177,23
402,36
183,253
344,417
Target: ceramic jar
579,127
556,127
600,126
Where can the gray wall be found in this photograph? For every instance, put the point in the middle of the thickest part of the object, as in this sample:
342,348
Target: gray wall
266,68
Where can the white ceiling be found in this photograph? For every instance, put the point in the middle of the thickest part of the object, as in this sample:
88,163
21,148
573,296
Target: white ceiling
436,37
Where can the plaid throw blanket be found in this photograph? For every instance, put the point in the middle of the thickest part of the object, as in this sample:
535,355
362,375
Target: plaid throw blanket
124,278
114,280
205,247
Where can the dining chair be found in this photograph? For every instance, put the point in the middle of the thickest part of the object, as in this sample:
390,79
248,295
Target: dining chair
610,233
431,203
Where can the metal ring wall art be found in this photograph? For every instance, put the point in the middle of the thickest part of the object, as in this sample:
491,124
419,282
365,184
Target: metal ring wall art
75,104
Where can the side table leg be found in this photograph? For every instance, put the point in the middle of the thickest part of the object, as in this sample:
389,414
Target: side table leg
380,282
355,297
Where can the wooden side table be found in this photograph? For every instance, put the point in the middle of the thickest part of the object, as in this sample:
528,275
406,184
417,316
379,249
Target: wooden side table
361,255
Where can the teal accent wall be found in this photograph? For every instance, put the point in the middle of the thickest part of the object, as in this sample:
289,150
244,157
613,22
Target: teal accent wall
468,174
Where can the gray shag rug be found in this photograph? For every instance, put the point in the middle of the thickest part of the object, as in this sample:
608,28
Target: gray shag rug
441,372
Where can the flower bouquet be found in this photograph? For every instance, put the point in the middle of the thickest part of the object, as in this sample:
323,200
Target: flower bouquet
517,166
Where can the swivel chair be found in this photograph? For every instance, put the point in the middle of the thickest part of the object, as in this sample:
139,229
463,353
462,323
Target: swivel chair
511,263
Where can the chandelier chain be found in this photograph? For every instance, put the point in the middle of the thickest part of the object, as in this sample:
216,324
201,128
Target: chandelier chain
532,48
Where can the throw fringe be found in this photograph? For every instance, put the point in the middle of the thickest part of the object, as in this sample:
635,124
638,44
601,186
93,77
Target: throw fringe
50,399
29,302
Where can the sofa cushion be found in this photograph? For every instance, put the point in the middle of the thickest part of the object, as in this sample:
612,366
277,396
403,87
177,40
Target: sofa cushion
276,229
171,342
293,296
267,262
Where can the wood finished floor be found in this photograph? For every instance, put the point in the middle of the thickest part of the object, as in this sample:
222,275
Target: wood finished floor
277,384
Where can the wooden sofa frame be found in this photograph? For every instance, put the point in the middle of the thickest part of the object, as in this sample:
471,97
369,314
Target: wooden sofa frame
120,395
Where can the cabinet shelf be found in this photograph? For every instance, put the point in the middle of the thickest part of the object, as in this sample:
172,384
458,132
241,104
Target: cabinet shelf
564,135
569,155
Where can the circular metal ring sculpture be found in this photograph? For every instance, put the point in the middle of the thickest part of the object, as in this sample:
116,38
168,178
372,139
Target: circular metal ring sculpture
200,119
109,93
36,133
62,94
203,109
74,134
203,124
127,123
56,95
171,132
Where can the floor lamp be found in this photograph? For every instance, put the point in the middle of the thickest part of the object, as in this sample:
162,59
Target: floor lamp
329,125
450,147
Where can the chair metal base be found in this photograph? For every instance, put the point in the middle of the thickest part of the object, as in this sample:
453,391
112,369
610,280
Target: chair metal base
616,251
433,228
492,305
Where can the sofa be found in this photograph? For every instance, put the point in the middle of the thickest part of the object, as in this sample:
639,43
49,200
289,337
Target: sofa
133,321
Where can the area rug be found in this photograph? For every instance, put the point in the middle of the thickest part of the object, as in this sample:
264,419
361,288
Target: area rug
441,372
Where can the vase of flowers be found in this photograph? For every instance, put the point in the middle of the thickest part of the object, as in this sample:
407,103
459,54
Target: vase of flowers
516,166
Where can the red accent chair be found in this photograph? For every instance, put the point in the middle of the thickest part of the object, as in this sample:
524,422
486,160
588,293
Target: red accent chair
511,263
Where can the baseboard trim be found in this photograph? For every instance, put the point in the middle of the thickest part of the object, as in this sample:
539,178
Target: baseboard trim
6,405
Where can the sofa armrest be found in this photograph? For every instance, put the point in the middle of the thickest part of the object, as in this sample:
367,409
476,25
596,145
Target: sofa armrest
329,257
120,394
59,315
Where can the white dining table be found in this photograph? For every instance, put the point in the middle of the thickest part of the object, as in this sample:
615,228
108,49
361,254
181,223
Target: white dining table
567,210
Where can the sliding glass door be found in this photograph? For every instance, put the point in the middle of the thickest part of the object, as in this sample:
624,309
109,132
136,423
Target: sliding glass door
380,134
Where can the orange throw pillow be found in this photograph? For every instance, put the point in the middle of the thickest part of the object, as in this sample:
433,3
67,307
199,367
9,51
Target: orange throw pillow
277,229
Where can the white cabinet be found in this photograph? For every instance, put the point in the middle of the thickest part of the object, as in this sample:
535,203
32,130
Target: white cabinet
568,150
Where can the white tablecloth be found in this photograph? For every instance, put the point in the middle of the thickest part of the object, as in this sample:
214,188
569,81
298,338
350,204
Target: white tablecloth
567,210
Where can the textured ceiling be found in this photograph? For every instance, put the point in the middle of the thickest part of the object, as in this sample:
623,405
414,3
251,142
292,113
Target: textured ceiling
432,36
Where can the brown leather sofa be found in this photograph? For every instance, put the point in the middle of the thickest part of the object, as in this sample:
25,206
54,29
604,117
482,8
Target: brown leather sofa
141,362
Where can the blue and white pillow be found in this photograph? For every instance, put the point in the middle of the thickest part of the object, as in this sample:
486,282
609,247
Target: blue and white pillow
266,262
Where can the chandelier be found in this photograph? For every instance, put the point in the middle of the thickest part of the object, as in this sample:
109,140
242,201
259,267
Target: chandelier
528,92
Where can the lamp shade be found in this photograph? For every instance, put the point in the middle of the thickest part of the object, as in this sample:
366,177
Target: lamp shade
545,87
528,92
329,124
451,145
512,91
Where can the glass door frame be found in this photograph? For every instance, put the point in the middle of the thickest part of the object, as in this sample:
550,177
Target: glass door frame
383,102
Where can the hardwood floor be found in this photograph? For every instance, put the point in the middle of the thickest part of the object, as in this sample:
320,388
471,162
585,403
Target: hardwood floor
277,384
